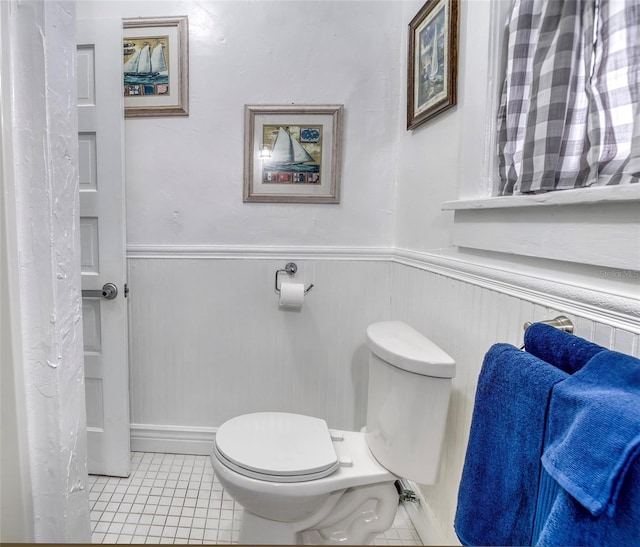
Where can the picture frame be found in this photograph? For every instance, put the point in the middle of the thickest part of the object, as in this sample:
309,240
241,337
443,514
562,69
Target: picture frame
432,66
155,68
293,153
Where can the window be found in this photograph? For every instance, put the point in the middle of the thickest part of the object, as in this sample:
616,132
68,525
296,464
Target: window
570,96
594,225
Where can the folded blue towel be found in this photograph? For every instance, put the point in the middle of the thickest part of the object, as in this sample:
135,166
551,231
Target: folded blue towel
498,489
594,430
565,522
559,348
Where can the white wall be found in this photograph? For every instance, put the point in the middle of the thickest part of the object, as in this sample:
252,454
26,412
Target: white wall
184,175
444,158
428,161
41,127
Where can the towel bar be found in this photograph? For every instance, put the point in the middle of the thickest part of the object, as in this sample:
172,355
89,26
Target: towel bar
561,322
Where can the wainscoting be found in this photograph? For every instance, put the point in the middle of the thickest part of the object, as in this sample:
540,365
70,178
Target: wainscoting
208,340
465,309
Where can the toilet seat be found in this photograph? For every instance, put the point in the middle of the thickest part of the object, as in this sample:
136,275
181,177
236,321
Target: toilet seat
277,447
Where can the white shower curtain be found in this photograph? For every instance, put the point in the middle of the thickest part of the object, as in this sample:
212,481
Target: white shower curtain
569,105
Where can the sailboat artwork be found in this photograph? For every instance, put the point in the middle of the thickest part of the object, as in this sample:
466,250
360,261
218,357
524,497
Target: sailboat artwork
294,154
146,69
431,68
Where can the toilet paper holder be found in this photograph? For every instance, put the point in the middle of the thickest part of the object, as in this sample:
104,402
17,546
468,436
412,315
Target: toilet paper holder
290,268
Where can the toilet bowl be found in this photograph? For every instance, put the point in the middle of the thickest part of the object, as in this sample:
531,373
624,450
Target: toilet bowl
279,508
301,483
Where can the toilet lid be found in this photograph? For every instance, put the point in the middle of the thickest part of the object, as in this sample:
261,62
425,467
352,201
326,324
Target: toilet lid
277,446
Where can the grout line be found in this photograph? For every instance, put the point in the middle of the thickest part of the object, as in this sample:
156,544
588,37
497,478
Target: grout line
174,498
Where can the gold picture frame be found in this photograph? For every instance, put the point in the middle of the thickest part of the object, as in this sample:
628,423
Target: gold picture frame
293,153
156,66
432,66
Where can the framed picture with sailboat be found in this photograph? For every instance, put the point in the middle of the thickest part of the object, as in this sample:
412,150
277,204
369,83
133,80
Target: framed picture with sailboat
292,153
432,64
155,67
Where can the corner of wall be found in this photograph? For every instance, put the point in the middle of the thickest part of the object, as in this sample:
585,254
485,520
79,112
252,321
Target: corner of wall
425,522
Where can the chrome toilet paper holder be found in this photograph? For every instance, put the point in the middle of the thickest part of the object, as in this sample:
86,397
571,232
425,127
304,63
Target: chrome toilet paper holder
290,268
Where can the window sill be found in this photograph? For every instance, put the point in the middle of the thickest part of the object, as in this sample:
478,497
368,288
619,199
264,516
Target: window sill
594,226
580,196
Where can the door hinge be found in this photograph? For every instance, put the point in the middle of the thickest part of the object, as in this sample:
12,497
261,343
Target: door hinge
126,290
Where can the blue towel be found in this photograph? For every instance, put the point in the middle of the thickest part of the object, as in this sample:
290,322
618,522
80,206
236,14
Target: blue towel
548,492
594,430
566,522
559,348
498,489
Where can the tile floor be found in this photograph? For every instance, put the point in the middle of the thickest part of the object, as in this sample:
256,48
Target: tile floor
170,498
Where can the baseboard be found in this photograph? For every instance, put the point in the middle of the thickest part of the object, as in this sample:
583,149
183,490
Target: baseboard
424,521
172,439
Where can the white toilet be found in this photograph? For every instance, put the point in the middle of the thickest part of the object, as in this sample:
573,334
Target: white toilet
301,483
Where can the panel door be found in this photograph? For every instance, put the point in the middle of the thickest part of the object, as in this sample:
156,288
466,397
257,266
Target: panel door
102,233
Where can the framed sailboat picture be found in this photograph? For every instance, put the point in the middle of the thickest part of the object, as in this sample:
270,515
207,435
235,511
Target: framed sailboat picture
155,67
293,153
432,64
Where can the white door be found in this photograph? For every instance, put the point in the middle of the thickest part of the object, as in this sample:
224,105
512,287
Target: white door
102,233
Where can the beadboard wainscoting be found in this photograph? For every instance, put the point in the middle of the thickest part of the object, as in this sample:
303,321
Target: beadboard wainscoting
208,340
465,309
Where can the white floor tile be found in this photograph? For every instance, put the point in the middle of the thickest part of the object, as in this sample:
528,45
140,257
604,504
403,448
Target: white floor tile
175,499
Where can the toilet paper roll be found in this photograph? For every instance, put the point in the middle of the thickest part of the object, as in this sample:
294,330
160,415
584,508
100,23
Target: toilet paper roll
291,295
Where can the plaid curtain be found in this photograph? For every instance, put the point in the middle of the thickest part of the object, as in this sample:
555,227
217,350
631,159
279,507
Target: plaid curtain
569,104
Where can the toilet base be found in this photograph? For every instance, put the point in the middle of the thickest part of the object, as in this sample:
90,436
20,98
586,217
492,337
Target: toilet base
256,530
349,517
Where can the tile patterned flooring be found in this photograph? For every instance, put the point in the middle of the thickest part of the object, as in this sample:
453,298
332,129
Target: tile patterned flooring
171,498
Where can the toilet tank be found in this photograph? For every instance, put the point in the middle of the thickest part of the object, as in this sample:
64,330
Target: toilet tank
409,389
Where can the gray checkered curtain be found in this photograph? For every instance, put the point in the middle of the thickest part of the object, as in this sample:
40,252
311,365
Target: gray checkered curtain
570,97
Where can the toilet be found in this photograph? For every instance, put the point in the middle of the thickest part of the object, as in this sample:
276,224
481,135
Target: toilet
300,482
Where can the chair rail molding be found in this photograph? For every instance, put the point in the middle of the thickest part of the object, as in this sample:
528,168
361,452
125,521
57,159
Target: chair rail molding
252,252
602,294
601,299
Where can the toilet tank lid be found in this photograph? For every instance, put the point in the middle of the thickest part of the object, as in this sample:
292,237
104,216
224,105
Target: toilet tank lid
402,346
